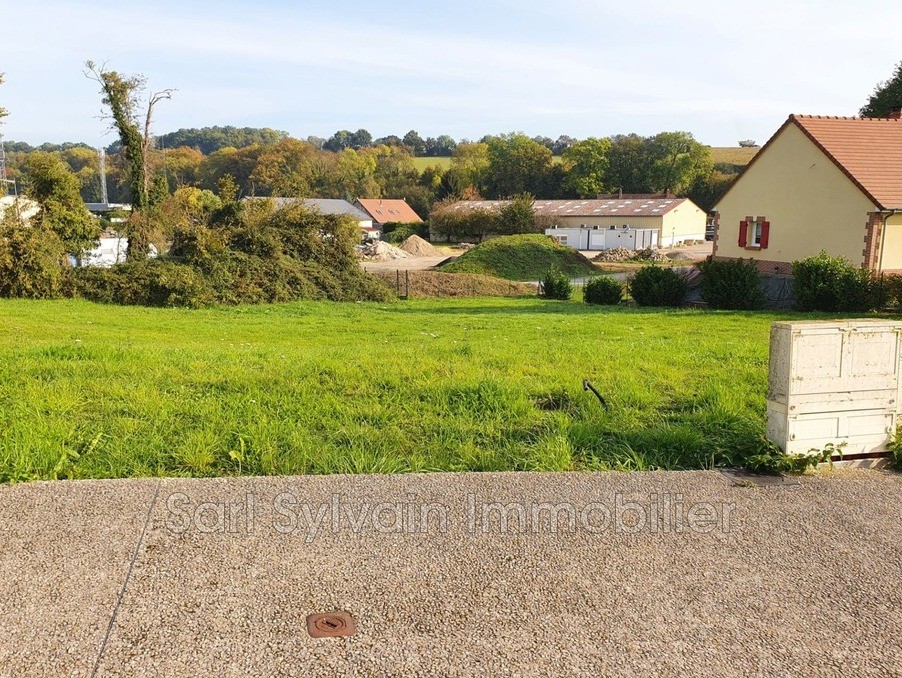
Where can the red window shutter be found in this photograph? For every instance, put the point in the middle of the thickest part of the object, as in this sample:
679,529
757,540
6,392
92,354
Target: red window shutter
765,233
743,233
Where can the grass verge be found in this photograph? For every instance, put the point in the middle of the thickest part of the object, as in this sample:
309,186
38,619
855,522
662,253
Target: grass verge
94,391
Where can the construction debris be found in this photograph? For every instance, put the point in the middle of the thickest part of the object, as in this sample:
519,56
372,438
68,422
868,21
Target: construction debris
620,254
382,251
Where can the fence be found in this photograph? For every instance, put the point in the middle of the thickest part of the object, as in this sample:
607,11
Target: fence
402,284
435,284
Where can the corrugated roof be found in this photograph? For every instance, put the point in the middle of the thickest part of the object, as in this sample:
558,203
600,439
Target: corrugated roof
637,207
868,150
386,211
327,206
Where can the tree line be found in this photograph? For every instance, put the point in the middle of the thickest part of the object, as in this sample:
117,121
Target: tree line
495,167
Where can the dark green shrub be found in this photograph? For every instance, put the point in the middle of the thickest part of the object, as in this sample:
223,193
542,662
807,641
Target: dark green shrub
31,263
266,254
830,284
556,285
886,289
603,290
421,229
657,286
152,282
733,284
401,233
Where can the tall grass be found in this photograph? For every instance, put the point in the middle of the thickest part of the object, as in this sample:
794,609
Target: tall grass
473,384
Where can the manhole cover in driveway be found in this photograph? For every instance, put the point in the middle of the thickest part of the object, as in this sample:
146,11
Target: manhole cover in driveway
743,478
330,624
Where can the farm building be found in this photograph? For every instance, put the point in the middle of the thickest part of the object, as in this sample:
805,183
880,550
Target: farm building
108,210
675,220
820,183
387,211
111,248
598,238
20,206
333,207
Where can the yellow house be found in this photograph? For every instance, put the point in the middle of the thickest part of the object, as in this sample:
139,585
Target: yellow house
820,183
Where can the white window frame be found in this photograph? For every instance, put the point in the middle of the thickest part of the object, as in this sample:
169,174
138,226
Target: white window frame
757,232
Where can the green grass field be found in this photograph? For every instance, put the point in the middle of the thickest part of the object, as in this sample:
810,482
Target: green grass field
474,384
423,163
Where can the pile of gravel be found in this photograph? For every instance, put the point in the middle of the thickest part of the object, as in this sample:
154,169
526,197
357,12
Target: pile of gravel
618,254
382,251
417,247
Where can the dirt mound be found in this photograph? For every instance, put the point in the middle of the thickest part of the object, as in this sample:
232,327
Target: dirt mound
418,247
435,285
382,251
676,255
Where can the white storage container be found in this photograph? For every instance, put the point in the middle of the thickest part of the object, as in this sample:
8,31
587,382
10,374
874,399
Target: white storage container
834,382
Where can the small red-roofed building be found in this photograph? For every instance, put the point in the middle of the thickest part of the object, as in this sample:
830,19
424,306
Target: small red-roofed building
383,211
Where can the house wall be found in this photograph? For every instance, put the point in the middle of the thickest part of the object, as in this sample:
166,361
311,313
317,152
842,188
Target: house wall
684,222
810,204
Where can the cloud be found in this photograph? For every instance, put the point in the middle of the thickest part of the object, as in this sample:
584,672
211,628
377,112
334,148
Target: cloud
579,66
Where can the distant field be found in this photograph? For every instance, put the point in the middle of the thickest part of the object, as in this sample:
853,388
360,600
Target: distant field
89,391
423,163
445,163
733,155
720,154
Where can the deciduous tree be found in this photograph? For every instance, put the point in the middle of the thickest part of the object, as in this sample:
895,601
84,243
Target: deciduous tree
339,141
629,162
517,164
121,95
415,142
361,139
469,167
586,164
49,182
678,160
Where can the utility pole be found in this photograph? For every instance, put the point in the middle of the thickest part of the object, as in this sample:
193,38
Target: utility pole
3,179
104,198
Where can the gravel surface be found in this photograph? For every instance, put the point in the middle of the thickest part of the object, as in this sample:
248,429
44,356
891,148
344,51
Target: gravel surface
795,580
412,264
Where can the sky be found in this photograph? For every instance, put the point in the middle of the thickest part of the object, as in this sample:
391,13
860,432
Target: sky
723,70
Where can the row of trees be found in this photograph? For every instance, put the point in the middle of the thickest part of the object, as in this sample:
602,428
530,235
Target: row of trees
497,167
509,164
442,146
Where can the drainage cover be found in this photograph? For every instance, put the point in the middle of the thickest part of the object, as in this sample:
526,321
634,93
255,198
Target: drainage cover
742,478
330,624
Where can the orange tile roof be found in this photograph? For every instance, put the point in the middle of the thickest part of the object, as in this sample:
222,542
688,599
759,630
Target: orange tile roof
386,211
867,150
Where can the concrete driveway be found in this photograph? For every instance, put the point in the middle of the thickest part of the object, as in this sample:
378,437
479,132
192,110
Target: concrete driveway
454,574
